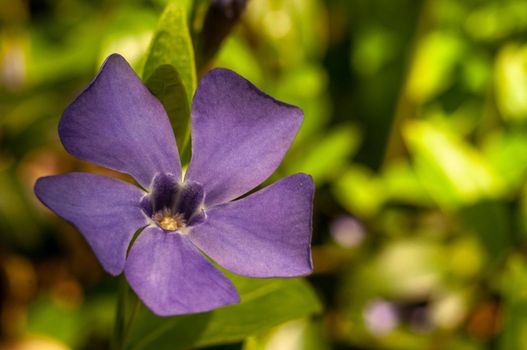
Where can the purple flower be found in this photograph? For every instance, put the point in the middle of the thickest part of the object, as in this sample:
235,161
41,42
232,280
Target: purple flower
239,137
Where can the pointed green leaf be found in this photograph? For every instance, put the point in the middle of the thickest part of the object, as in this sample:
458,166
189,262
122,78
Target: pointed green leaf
166,84
170,71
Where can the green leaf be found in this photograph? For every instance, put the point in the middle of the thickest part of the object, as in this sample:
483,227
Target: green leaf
265,303
360,191
511,82
166,84
505,150
453,171
295,335
170,71
402,184
441,50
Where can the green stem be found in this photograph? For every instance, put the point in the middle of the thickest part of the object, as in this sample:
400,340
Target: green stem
405,107
131,319
120,316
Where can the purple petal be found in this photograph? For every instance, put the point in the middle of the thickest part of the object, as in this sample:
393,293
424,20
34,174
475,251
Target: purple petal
117,123
172,277
239,135
105,210
267,234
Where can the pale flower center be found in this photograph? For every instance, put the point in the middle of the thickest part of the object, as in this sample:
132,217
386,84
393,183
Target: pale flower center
168,220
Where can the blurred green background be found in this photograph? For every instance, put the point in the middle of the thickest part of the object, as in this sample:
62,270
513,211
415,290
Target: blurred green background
415,133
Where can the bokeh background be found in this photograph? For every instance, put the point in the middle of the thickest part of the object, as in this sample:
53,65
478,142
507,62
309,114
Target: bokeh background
415,133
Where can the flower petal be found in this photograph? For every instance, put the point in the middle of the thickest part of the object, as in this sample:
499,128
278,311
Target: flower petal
172,277
117,123
105,210
239,135
267,234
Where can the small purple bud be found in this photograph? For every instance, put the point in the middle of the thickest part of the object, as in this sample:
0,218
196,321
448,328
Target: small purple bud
220,19
381,317
347,231
419,319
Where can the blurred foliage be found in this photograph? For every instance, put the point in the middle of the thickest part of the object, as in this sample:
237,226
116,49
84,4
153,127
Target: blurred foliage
415,132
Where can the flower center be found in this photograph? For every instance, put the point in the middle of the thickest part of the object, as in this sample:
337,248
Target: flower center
172,205
169,221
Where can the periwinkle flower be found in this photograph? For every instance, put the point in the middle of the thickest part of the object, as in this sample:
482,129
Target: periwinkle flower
239,137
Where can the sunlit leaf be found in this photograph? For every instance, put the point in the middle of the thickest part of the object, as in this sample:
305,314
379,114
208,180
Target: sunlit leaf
511,82
506,151
402,184
360,191
265,303
433,65
453,172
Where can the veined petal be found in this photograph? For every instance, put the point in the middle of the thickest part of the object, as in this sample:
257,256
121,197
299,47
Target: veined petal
239,135
117,123
172,277
267,234
105,210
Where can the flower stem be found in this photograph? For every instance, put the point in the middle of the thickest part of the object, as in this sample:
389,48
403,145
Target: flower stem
131,319
120,316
